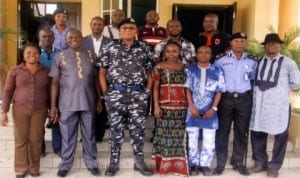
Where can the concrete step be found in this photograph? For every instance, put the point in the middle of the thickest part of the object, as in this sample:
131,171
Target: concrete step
51,160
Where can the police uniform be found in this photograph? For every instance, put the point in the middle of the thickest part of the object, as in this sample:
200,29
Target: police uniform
76,73
126,95
235,106
60,37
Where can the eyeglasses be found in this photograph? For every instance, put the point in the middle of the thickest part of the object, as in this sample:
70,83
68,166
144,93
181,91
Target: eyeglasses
127,28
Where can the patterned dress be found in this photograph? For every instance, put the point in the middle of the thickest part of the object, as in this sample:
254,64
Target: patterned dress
169,153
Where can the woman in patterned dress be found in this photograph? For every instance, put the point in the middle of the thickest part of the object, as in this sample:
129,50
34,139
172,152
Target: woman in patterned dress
169,153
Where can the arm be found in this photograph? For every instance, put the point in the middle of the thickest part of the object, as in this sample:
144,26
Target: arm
149,80
102,79
99,94
212,110
194,111
53,99
294,76
157,110
8,93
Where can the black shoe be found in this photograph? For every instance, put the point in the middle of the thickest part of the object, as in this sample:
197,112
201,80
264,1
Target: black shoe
94,171
62,173
151,139
218,171
20,176
34,174
241,169
194,171
142,168
112,169
58,153
206,171
43,153
99,140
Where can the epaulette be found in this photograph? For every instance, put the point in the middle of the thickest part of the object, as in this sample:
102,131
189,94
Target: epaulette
220,55
249,56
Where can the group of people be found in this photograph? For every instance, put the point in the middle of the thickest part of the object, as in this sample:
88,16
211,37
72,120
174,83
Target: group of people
197,94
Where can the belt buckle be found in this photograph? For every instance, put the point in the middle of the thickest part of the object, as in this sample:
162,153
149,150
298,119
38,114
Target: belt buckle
128,90
235,95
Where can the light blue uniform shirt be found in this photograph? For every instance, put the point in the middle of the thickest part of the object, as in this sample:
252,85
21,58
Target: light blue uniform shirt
47,59
60,38
238,73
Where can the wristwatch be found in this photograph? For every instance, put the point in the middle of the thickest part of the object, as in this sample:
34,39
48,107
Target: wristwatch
214,108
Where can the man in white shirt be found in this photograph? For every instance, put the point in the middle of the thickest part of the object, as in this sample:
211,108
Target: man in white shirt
93,43
112,31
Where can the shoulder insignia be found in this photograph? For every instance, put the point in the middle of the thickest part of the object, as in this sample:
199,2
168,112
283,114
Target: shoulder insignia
220,55
252,57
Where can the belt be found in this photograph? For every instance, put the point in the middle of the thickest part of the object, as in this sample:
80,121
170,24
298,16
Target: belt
127,88
236,95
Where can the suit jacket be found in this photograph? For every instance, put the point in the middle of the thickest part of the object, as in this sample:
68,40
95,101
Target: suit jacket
87,44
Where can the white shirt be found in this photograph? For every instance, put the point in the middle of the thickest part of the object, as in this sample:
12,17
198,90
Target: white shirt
97,44
114,31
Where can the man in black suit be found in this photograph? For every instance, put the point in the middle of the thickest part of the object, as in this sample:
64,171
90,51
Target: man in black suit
93,43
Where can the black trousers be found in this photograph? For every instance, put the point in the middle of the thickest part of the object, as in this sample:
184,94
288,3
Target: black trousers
259,146
236,110
100,124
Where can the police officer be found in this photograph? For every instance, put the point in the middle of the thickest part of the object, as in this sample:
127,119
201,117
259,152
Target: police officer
73,75
125,67
235,105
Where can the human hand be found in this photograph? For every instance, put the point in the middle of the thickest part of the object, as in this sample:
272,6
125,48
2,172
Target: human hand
4,119
194,112
157,112
99,105
54,114
209,114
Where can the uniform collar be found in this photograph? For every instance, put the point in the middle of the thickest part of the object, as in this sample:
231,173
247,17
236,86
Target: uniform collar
232,55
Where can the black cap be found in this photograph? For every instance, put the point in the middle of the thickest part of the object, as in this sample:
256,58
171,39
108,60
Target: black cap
127,21
272,37
238,35
60,11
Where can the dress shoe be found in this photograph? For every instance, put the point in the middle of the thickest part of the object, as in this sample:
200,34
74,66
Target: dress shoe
58,153
34,174
218,171
194,171
20,176
256,169
142,168
241,169
112,169
206,171
94,171
62,173
272,173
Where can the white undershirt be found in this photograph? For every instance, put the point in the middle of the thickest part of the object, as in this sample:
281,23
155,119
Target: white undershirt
202,80
97,44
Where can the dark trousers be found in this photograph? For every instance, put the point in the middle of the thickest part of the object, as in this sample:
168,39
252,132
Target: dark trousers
134,106
100,123
238,111
56,138
259,146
